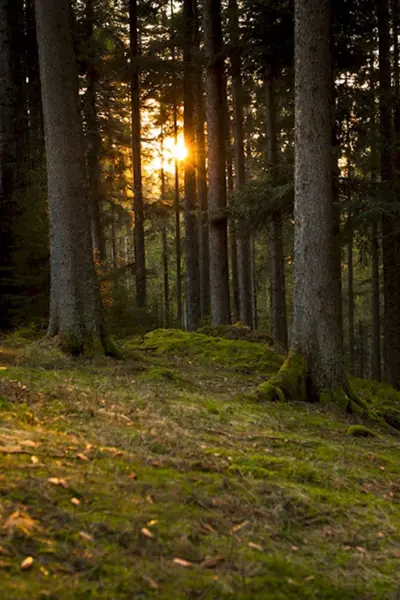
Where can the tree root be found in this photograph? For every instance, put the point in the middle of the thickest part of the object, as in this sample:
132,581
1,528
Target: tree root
292,383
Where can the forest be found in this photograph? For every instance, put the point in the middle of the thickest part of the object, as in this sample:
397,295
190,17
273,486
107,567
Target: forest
199,299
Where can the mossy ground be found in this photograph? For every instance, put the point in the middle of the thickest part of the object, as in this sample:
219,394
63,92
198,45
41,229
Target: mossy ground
154,477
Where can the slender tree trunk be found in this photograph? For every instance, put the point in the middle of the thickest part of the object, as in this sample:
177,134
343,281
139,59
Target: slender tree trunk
93,140
233,248
278,287
140,257
8,161
34,95
164,240
219,278
177,209
191,221
75,305
202,193
376,318
114,236
390,224
243,240
350,295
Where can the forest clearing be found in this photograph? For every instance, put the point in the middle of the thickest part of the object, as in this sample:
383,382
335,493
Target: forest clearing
155,477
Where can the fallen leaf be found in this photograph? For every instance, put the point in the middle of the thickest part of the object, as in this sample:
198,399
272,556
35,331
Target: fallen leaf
361,549
254,546
82,456
380,535
34,460
211,563
132,476
152,522
5,565
149,499
44,571
309,578
56,481
181,562
147,532
4,551
382,468
21,521
153,584
295,548
27,563
75,501
86,536
236,528
28,443
346,548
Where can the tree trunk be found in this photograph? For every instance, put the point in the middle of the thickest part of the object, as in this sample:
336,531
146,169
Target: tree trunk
93,139
390,223
219,278
190,206
314,369
202,193
243,240
233,248
13,145
278,288
34,95
177,208
140,257
75,305
350,296
164,241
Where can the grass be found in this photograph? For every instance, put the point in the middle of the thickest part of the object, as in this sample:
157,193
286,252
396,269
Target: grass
155,477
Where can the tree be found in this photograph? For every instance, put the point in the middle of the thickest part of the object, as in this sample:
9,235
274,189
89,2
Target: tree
243,241
214,83
314,369
140,257
190,206
75,305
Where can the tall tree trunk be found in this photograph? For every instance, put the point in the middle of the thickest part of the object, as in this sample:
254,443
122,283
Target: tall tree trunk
75,305
278,287
350,296
202,193
243,240
177,207
390,224
376,368
233,248
164,241
7,161
93,139
140,257
190,207
219,279
34,95
314,369
316,333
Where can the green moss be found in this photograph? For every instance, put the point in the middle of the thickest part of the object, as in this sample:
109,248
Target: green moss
360,431
288,384
161,374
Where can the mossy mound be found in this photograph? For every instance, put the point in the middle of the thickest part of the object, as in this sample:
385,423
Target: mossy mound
237,332
239,355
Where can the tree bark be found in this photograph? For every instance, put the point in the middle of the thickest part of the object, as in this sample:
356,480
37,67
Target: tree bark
278,286
219,278
140,256
243,240
75,305
350,296
93,139
390,223
314,369
190,202
233,246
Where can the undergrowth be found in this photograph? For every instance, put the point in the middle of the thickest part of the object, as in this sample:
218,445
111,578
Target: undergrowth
154,477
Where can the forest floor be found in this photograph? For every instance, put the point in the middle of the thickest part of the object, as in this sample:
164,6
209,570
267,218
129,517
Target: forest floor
157,477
